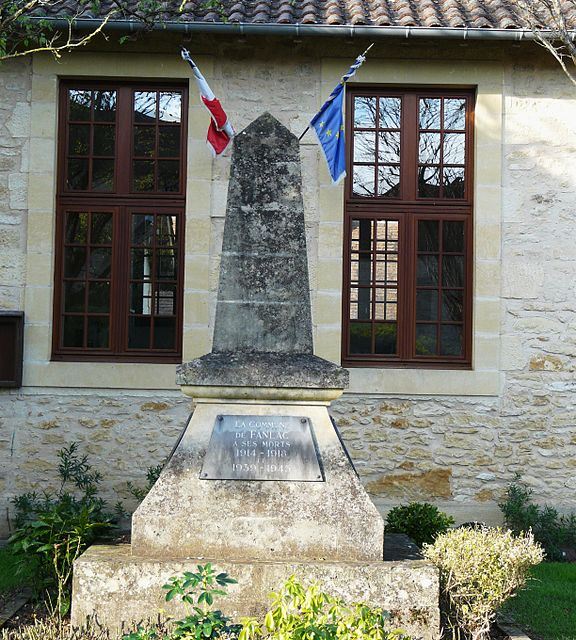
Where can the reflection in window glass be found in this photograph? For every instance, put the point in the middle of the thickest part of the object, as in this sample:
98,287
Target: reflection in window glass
365,112
79,104
363,181
455,114
145,106
430,113
390,112
364,146
170,106
105,106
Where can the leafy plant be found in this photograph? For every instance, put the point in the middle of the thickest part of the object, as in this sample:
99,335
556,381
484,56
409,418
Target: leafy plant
422,521
480,568
53,529
152,474
551,529
196,589
307,613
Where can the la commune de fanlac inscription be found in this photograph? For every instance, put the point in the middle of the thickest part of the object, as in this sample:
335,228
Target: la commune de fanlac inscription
247,447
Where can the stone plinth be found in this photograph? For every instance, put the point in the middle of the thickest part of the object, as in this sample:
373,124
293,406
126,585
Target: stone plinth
185,515
118,587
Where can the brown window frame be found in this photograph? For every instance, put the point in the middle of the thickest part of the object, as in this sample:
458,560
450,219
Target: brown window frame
407,208
122,201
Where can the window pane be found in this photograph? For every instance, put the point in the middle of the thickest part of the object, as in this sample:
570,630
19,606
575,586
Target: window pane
99,297
454,113
453,236
74,262
388,146
169,142
164,333
385,338
363,181
430,109
427,271
79,139
101,228
365,112
454,144
79,104
98,332
426,304
144,141
165,300
426,342
142,229
74,296
453,271
141,298
390,112
170,106
169,175
141,264
453,305
76,228
451,340
360,338
105,106
166,264
364,146
389,181
77,174
103,175
143,175
165,230
429,148
139,333
428,235
100,263
73,333
104,140
145,106
454,185
428,182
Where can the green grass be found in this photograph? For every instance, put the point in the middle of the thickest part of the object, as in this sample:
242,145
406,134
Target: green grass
9,576
547,607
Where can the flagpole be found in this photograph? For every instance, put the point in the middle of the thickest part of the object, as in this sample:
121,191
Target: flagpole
363,55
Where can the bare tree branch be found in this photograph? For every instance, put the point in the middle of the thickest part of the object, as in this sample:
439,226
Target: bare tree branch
553,23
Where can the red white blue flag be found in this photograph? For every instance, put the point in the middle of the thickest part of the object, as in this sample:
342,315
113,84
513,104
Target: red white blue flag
220,131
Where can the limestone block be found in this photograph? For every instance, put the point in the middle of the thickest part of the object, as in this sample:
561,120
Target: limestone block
122,588
19,123
18,189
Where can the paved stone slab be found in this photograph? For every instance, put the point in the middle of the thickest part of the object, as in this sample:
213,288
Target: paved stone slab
122,588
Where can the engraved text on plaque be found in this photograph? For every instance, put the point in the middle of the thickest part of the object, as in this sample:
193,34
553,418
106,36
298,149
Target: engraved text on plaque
262,448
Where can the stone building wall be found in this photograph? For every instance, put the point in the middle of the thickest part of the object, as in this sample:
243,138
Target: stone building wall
15,86
450,442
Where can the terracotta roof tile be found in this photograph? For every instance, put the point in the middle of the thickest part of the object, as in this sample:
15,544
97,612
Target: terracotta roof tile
476,14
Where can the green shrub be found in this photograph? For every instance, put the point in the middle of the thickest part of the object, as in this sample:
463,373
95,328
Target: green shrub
307,613
422,521
53,529
479,570
196,589
549,528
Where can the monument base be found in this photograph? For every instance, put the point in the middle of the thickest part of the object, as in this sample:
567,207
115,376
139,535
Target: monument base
121,589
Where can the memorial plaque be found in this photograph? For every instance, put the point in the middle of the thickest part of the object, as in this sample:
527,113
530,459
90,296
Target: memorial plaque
262,448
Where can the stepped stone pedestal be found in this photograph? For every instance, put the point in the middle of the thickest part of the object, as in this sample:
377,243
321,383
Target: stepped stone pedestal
260,483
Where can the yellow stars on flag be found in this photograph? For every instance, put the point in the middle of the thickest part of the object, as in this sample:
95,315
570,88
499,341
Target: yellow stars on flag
329,132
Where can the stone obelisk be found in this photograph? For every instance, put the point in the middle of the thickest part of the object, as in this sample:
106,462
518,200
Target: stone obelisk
259,484
261,364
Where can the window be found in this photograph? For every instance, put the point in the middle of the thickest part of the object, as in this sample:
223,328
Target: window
120,222
408,229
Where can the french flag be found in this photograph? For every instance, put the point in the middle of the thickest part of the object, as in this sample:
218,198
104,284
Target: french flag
220,131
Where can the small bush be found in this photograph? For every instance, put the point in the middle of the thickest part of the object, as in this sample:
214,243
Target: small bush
552,530
422,521
479,570
53,529
308,613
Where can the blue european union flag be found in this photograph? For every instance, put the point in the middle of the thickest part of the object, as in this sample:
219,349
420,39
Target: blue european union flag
328,124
